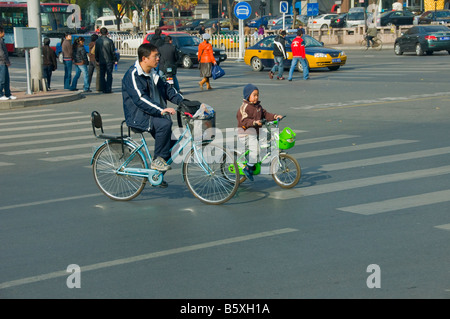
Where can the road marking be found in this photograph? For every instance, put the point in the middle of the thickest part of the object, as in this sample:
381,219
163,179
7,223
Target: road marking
67,158
49,149
323,139
37,127
6,164
38,115
357,183
352,148
384,100
444,226
138,258
384,159
47,141
79,130
49,201
399,203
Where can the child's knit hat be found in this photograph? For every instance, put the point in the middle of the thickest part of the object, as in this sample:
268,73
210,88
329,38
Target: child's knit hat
248,89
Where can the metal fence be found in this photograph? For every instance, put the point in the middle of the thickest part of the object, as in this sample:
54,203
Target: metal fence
128,44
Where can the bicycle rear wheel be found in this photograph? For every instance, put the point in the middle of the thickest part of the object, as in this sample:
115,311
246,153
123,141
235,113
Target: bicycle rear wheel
106,162
285,170
207,174
377,45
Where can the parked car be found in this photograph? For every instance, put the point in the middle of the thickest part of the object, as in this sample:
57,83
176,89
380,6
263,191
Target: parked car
58,50
110,23
423,39
339,21
321,21
396,18
260,55
441,16
187,46
256,22
355,19
169,24
189,26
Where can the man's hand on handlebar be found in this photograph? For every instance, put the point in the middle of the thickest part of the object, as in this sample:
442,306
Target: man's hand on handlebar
169,110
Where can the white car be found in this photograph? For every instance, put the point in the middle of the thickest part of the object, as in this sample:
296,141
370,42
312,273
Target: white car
132,43
321,22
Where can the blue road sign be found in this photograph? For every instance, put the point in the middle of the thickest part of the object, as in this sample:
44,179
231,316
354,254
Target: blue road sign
284,7
312,9
242,10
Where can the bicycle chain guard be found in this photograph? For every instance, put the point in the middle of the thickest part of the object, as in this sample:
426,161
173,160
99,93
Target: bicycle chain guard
155,177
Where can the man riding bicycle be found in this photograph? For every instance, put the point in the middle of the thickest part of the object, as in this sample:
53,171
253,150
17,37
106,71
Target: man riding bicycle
371,34
145,97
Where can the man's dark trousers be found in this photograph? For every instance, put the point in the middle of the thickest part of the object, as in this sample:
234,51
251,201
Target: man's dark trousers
106,69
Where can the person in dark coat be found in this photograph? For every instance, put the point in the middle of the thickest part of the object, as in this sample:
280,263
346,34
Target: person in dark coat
169,59
48,62
156,39
106,58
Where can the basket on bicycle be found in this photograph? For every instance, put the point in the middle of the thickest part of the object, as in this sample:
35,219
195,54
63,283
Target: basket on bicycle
203,122
286,139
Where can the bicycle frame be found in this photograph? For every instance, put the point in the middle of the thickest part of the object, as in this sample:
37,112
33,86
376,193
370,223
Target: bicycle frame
154,176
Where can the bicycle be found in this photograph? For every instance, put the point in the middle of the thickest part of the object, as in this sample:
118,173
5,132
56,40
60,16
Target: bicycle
121,165
284,168
377,44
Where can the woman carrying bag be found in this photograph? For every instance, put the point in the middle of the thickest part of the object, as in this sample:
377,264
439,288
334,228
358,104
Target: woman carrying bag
206,60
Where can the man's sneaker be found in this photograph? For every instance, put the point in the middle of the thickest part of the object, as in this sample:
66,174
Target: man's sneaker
248,172
12,97
163,184
4,98
280,78
270,75
160,164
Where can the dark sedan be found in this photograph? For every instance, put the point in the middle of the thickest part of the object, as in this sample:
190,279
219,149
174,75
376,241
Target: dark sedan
396,18
339,21
187,46
441,16
423,39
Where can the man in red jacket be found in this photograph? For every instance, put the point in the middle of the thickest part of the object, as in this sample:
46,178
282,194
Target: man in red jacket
298,55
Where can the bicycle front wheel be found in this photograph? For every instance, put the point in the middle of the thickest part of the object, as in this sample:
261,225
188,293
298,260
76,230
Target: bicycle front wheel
363,45
207,174
106,162
285,171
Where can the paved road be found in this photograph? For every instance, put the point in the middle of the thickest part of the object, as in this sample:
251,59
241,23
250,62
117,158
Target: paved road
373,145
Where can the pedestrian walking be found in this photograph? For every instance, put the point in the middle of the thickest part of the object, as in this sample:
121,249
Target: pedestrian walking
93,65
169,59
279,55
299,55
49,63
81,62
5,91
202,30
206,60
67,51
106,58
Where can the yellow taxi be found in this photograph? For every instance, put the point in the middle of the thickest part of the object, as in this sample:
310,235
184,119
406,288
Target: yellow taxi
260,55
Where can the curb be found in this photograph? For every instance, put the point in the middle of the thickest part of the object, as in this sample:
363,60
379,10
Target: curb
40,98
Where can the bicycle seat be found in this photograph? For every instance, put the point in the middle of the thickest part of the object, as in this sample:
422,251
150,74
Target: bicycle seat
97,127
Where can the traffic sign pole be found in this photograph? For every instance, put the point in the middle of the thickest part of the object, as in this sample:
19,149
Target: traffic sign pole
242,11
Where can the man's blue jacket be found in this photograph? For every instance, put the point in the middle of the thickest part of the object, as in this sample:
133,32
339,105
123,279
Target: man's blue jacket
139,104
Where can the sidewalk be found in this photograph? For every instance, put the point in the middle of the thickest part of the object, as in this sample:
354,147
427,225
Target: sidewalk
39,98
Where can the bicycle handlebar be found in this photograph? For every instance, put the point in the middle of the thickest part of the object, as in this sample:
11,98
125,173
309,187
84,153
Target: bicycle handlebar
267,123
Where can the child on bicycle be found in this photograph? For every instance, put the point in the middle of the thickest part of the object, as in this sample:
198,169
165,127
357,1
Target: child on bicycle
249,118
